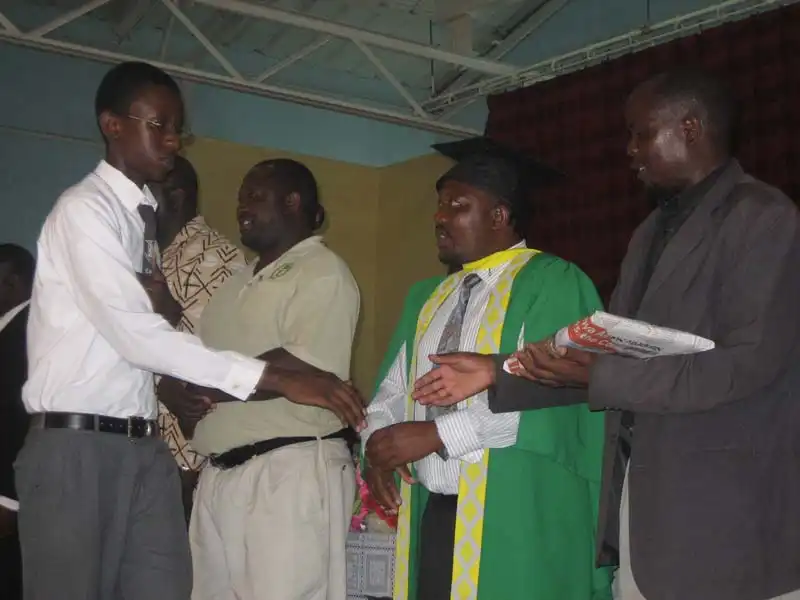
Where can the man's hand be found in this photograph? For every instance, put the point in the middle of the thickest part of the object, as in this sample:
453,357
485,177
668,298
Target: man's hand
188,404
398,445
8,522
183,401
555,367
459,376
163,303
383,488
317,388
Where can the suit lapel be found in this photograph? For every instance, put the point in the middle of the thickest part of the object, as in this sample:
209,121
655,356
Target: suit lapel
694,230
632,268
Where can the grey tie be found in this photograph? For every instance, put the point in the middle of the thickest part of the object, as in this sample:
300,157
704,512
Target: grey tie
451,336
148,214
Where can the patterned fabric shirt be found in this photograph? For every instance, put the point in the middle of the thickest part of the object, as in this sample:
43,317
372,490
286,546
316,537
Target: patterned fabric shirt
195,264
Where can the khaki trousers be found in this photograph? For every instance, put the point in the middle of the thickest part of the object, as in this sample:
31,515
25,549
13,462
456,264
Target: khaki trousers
625,587
275,527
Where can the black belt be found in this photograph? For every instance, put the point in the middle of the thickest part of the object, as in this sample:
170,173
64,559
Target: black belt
133,427
239,456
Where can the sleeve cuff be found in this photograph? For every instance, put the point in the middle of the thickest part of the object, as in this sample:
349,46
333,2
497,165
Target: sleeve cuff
8,503
243,376
458,433
374,423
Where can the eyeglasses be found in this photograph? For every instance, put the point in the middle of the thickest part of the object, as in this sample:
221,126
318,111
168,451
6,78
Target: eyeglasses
158,126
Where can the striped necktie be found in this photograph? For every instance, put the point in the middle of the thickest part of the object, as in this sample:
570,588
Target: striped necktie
451,336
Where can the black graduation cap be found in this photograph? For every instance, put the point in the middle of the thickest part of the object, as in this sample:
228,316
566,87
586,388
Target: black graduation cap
508,174
484,149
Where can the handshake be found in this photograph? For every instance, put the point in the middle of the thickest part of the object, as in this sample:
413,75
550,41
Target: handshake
308,386
285,376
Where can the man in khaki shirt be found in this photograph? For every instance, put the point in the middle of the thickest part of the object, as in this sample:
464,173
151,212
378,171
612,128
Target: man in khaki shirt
195,261
273,507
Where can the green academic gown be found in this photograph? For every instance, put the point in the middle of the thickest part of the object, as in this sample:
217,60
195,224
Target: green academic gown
542,494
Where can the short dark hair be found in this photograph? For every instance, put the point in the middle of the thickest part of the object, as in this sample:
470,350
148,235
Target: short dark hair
123,83
287,176
706,96
20,260
184,177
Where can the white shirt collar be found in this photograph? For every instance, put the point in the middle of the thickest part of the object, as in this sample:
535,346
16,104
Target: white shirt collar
9,316
490,272
128,192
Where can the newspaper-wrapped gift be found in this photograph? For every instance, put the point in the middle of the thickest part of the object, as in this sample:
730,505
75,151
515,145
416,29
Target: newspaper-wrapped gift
604,333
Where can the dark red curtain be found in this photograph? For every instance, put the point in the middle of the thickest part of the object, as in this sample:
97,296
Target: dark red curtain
575,122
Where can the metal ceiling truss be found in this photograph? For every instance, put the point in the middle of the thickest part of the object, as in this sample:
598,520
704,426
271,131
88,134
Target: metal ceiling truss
428,115
519,31
444,104
233,79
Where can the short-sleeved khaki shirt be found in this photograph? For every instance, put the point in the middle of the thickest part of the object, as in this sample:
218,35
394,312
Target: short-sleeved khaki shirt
307,303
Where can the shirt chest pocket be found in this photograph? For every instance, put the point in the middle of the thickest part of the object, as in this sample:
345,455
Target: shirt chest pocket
132,236
261,309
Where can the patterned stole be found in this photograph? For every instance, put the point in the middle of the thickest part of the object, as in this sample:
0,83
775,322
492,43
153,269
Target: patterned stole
472,482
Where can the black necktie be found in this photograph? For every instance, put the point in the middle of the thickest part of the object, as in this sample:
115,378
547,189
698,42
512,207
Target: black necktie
148,214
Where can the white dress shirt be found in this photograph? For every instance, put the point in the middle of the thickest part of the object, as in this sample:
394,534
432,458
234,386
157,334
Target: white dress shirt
6,502
94,341
467,430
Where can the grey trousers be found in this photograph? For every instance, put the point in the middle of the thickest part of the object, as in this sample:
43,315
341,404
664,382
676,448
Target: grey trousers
101,518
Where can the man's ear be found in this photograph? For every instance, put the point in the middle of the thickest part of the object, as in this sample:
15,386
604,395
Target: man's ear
501,216
693,129
110,125
292,202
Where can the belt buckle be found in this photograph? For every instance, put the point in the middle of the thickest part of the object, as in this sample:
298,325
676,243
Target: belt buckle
133,421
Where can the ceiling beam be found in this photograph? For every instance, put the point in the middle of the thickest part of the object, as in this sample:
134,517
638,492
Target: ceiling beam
290,60
7,24
386,115
274,40
524,29
137,9
364,36
206,43
68,17
393,81
166,38
633,41
216,28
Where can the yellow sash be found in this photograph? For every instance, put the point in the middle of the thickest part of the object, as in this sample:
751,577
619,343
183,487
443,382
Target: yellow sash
472,481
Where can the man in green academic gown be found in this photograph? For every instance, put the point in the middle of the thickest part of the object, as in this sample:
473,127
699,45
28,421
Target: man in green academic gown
490,507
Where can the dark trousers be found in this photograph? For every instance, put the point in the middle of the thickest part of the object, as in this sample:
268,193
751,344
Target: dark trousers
437,541
101,518
10,569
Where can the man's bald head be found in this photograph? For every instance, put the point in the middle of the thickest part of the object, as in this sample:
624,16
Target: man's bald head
681,126
695,94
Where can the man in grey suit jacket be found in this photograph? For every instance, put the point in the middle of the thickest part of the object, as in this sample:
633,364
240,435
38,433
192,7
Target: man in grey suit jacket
708,445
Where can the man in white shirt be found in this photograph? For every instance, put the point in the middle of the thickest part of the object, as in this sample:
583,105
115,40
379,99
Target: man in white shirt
100,505
16,278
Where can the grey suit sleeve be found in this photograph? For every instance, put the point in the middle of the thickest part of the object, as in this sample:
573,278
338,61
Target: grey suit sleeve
511,393
756,329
